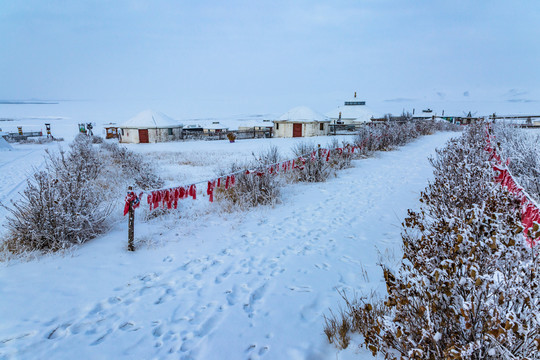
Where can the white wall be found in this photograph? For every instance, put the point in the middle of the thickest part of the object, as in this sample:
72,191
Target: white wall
285,129
154,135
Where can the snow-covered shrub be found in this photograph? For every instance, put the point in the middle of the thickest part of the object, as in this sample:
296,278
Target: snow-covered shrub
309,168
468,285
386,136
340,157
71,200
133,166
62,205
258,187
363,140
96,139
522,148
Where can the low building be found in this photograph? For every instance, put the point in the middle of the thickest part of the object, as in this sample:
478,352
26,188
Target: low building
426,114
353,112
301,122
259,125
214,127
150,127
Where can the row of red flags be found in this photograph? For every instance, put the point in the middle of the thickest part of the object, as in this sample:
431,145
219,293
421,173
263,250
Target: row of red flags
530,213
168,198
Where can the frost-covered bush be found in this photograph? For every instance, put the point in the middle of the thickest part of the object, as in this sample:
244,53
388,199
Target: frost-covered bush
132,166
340,157
71,200
62,205
389,135
468,285
259,187
96,139
522,148
309,168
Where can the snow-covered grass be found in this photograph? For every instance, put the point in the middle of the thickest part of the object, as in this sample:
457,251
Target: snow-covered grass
205,284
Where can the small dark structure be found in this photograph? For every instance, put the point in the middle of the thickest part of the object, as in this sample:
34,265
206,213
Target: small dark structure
111,132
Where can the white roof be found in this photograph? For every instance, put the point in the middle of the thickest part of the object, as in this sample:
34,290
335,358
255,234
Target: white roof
357,112
215,126
302,114
150,119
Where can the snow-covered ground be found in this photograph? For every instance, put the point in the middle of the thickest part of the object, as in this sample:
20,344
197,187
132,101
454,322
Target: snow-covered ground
217,285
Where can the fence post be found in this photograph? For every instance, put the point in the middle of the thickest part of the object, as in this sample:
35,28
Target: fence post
131,224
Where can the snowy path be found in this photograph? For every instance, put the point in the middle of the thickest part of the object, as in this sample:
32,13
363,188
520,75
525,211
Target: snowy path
241,286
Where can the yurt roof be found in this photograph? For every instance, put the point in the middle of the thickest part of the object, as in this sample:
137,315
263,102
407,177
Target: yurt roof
357,112
150,119
302,114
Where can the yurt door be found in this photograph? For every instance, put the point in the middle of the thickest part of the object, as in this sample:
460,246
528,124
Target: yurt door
297,130
143,136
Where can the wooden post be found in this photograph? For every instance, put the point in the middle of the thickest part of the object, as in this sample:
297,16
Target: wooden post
131,224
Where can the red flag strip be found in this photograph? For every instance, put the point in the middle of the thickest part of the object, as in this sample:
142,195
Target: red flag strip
530,214
210,190
193,192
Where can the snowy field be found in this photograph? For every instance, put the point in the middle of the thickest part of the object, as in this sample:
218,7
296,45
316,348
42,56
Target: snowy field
213,285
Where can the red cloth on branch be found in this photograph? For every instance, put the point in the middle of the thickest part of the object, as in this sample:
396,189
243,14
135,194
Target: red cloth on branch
132,198
210,190
155,199
193,192
176,196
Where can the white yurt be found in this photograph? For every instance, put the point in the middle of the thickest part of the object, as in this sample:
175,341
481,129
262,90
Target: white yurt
301,121
352,112
150,127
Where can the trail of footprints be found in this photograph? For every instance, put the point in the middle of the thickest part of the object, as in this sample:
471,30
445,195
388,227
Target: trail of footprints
189,325
186,327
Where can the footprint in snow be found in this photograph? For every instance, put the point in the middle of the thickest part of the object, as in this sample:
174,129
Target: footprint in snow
158,330
169,292
253,353
102,338
128,326
301,288
58,331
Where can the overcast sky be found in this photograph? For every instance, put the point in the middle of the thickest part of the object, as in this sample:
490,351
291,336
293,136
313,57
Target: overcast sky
212,57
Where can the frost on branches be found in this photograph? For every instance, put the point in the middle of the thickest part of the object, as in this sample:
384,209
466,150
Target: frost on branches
468,285
523,148
71,200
